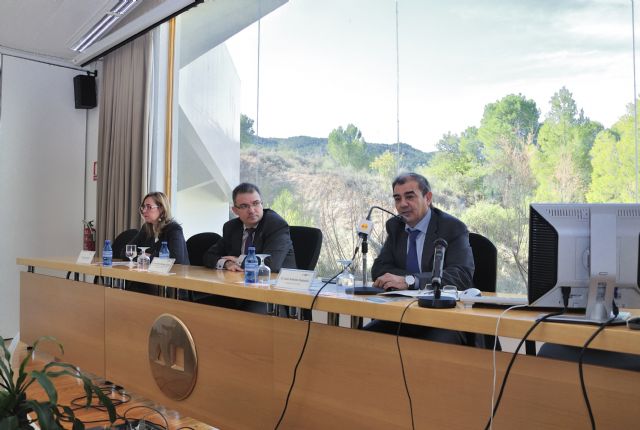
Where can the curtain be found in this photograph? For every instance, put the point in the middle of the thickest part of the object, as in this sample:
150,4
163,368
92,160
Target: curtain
123,137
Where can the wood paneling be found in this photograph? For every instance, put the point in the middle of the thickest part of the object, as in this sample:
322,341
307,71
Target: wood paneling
70,311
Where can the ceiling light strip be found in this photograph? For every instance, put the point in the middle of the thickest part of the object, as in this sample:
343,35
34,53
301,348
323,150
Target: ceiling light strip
103,25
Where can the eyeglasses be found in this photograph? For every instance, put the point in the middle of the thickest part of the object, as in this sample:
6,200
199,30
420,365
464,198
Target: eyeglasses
245,206
148,207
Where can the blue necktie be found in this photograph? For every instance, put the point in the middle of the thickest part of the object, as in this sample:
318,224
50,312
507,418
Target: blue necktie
412,254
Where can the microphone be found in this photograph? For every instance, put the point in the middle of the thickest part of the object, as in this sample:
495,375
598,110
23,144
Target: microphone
437,301
364,228
438,265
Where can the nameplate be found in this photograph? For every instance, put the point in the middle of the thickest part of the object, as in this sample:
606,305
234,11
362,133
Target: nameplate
294,279
85,257
161,265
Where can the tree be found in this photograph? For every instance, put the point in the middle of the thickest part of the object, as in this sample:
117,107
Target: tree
386,165
613,161
246,130
347,147
561,159
493,221
508,132
290,209
457,167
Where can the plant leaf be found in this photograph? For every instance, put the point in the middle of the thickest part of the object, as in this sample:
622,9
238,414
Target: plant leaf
106,401
44,413
9,423
46,383
77,424
6,371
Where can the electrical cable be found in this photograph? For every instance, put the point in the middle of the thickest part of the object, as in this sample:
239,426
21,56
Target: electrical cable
304,347
166,423
513,358
306,338
404,376
580,360
495,346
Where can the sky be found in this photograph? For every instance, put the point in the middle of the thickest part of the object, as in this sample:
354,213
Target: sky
325,64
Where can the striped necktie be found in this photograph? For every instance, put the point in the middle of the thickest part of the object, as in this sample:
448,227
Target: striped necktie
249,240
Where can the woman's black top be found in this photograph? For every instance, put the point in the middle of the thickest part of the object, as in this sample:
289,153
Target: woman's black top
172,234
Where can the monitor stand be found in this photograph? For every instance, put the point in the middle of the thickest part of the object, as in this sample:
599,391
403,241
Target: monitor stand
599,304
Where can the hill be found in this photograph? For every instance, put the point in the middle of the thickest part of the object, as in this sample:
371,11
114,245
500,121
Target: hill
306,146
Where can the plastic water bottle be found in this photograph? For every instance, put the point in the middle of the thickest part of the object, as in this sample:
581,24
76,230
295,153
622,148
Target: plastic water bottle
251,267
107,254
164,250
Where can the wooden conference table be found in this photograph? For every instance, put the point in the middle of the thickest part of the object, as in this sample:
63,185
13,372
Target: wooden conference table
348,378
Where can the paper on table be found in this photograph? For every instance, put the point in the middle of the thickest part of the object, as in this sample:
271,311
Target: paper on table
419,293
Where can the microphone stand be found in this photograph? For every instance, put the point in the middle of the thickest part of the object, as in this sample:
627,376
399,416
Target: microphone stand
364,249
438,301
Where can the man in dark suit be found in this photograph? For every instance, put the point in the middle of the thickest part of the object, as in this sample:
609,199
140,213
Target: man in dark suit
262,228
406,258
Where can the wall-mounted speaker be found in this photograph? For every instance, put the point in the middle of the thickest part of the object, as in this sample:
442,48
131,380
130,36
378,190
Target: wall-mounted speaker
84,88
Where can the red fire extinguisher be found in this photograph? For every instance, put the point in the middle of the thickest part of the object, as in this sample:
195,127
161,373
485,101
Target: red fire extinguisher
89,236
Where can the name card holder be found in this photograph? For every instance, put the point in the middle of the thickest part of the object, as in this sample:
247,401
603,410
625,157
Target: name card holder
85,257
161,265
294,279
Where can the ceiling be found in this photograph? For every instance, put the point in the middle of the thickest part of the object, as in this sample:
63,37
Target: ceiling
48,28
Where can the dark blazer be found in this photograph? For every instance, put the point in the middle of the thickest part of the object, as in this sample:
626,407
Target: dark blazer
172,234
271,237
458,259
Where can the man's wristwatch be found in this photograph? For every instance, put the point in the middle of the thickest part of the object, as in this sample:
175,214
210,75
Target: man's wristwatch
410,280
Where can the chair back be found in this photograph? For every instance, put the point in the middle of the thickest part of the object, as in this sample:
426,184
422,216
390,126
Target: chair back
307,242
485,258
198,244
121,241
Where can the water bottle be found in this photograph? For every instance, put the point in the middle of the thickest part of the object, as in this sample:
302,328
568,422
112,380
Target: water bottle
251,267
107,254
164,250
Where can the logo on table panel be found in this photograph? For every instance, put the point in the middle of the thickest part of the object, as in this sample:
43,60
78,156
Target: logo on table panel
172,357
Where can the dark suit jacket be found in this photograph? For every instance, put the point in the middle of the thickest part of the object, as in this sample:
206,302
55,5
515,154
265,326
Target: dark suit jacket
271,237
172,234
458,259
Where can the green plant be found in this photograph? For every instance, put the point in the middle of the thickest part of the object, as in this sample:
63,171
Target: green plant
16,410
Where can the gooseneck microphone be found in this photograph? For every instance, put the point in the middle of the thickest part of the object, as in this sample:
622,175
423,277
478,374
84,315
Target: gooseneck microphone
438,266
364,229
438,301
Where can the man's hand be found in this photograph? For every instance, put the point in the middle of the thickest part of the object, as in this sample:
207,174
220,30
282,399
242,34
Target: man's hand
232,264
389,280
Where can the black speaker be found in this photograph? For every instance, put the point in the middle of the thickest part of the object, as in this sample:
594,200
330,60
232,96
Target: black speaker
84,88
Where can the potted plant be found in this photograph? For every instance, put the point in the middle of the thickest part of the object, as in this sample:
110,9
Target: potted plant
17,411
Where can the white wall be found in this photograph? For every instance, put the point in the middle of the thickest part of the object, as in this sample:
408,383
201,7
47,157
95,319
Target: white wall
42,167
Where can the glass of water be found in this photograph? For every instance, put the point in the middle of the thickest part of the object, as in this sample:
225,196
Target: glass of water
345,279
264,271
130,252
143,258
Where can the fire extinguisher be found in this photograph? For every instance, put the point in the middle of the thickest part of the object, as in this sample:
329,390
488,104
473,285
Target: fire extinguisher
89,236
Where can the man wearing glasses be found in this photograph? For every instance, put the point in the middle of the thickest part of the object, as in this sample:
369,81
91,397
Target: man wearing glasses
262,228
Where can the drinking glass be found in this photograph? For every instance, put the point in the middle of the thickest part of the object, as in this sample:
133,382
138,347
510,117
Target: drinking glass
264,272
130,252
143,258
345,279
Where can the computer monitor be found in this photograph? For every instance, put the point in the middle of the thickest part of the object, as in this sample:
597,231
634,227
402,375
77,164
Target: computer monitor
585,254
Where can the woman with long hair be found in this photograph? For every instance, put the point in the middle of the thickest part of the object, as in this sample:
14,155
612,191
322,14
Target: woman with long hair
159,226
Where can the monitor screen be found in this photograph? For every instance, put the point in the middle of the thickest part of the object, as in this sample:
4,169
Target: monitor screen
561,252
